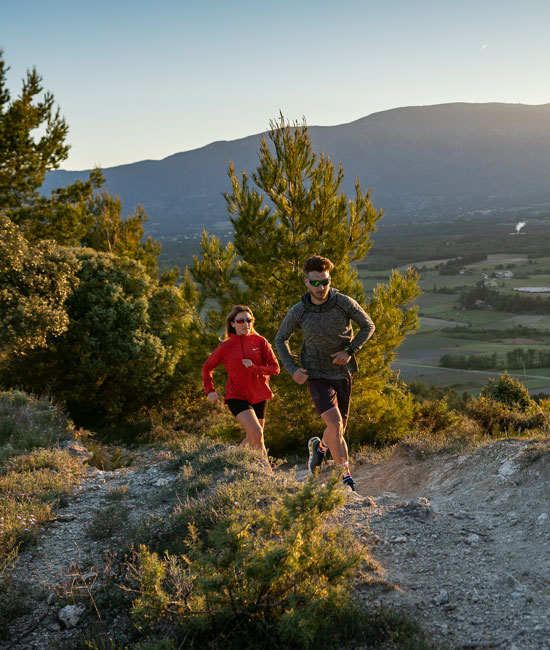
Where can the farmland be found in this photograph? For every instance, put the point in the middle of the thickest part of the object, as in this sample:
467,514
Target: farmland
448,328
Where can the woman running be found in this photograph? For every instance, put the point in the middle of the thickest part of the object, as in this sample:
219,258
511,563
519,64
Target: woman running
249,360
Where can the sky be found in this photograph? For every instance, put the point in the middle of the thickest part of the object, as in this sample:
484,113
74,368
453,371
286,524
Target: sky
140,80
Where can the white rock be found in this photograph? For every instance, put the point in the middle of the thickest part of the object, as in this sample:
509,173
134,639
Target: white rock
161,482
442,597
472,539
400,540
507,469
71,614
542,518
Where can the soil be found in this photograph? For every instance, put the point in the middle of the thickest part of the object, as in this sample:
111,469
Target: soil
462,542
465,541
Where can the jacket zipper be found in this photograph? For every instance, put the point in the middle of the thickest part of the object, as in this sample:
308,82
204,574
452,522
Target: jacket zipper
242,345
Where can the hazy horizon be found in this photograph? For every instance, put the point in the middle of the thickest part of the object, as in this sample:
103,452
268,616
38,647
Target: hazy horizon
138,82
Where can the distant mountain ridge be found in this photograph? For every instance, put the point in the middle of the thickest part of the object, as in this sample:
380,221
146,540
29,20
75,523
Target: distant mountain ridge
418,160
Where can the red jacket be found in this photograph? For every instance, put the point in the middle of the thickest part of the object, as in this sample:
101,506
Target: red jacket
250,384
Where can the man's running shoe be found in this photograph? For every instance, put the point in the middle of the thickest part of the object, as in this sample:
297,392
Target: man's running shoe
315,456
349,482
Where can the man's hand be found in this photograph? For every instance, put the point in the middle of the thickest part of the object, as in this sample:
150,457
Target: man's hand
340,358
300,376
214,396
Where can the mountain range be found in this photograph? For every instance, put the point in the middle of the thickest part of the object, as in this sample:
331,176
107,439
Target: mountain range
420,161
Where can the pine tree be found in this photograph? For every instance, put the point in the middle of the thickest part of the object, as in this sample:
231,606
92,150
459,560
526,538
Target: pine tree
81,214
293,207
24,157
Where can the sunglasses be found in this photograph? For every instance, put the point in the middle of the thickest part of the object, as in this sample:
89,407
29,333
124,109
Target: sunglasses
316,283
243,320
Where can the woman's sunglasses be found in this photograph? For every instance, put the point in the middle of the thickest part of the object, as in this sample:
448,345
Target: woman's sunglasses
316,283
243,320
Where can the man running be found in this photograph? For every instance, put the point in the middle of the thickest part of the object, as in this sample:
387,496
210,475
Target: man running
327,357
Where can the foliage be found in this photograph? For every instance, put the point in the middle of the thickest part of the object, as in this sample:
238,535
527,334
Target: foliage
31,485
77,215
25,157
497,418
455,401
530,358
382,412
296,210
508,390
505,405
470,361
513,303
12,599
272,574
434,416
123,346
35,282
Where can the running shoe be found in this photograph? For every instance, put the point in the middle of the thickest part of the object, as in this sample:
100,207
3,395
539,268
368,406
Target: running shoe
349,482
315,456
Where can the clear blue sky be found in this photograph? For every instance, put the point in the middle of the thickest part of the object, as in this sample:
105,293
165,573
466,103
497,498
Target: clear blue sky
139,80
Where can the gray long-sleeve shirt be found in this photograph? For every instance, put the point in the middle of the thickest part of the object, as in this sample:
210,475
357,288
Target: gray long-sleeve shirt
326,329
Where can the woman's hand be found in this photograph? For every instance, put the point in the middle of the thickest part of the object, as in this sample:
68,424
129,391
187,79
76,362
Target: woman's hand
214,396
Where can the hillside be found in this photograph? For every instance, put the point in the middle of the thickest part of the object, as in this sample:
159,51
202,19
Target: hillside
425,160
461,540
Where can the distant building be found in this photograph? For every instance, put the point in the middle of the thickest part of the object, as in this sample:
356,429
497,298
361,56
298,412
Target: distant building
504,274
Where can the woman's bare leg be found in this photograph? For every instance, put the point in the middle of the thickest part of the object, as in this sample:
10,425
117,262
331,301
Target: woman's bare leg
254,430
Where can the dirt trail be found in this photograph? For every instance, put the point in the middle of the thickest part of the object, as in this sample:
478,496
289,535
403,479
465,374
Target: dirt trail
465,540
462,540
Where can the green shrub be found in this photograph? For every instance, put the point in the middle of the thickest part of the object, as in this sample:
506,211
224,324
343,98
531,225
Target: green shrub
497,417
35,282
256,574
434,416
509,391
381,414
121,349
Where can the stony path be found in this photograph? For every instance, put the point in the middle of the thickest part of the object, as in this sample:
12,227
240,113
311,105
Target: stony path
68,556
463,542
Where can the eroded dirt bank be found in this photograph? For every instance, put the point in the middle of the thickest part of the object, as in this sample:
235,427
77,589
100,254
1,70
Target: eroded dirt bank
465,540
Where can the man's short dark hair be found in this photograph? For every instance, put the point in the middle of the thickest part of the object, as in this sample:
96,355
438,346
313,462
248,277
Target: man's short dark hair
318,263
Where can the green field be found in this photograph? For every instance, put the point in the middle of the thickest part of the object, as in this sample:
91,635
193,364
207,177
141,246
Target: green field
445,324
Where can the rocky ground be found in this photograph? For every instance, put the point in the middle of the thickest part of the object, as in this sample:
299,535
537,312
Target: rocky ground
462,542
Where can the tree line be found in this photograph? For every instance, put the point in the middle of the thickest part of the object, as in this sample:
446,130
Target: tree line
513,303
516,358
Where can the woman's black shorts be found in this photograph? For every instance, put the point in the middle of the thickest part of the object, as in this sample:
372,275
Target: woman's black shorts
237,406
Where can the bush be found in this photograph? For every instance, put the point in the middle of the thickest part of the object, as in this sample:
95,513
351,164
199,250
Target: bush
35,282
434,416
122,348
509,391
497,418
258,575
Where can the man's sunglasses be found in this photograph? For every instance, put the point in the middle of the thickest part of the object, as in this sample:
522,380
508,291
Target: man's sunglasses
243,320
316,283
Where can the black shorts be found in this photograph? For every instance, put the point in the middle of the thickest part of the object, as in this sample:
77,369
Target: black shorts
237,406
328,393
